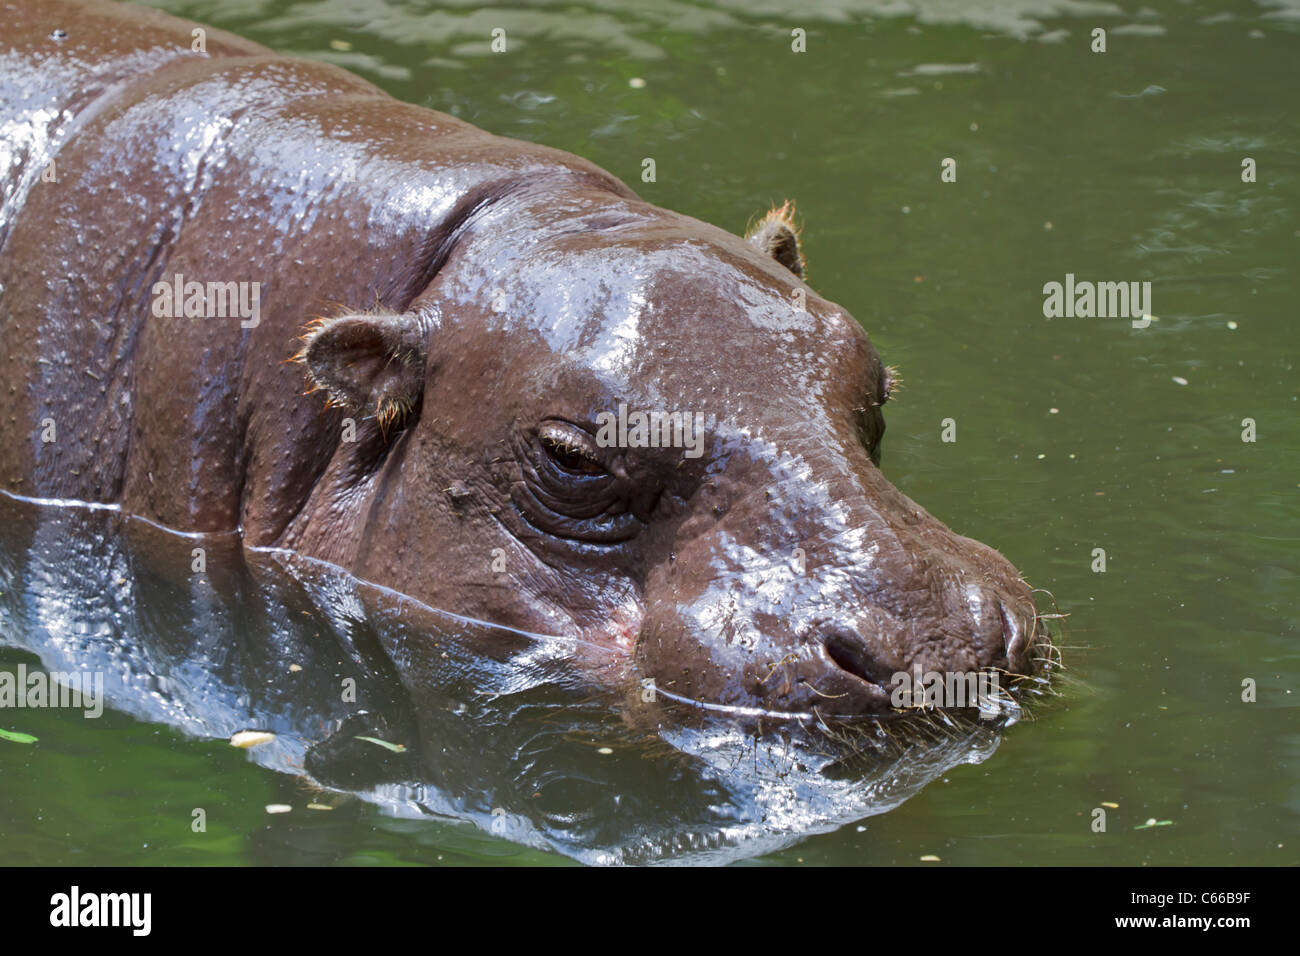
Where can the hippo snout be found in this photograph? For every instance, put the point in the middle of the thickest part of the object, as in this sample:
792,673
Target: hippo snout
997,630
844,662
884,596
990,631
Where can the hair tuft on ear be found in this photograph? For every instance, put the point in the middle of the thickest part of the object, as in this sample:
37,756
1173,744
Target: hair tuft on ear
777,235
891,384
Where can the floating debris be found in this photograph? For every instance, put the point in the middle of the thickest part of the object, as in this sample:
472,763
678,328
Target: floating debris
278,808
940,69
1152,90
17,738
395,748
251,738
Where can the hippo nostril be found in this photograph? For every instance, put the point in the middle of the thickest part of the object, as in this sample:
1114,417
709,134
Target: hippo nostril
1014,639
851,652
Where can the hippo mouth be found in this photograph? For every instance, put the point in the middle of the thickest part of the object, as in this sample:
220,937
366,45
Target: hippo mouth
991,708
1002,689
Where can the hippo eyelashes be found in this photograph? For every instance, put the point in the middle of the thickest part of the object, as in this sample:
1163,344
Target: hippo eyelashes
367,363
571,448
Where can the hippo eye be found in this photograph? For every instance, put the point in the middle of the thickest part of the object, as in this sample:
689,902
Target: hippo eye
564,489
571,449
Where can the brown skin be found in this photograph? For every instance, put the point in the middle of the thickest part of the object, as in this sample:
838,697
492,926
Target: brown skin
484,300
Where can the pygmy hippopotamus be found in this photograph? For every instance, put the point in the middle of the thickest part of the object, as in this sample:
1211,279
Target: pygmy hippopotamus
246,292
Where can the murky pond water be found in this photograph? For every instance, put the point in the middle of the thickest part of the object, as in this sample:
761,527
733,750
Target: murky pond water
1072,434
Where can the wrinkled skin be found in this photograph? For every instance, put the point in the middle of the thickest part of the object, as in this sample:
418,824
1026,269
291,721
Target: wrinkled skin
480,296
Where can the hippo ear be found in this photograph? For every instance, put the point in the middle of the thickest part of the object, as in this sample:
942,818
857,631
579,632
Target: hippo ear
891,383
369,363
777,234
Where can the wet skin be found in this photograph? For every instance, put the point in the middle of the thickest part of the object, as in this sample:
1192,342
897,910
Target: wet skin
478,303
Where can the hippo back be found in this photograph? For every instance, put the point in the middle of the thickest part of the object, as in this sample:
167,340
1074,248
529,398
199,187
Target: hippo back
131,159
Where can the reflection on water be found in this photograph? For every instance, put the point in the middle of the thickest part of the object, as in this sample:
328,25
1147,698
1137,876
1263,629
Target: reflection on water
497,728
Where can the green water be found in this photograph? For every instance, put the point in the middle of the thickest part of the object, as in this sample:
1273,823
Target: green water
1072,434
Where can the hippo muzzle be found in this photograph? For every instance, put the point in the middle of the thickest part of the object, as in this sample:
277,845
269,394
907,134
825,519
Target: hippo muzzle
818,586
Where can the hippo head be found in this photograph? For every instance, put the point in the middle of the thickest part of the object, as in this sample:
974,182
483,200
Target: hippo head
607,420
